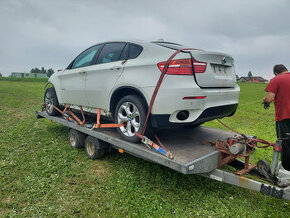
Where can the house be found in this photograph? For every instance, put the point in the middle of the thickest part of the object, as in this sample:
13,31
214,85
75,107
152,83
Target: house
258,79
28,75
244,79
254,79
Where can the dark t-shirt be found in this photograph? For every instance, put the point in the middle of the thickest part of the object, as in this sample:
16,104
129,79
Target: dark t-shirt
280,85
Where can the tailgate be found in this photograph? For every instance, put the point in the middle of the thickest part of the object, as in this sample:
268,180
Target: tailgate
219,72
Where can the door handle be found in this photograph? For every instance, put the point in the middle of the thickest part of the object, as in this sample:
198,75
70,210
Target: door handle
115,68
82,72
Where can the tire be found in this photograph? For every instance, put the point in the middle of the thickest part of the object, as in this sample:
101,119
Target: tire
133,110
76,139
264,168
50,100
95,149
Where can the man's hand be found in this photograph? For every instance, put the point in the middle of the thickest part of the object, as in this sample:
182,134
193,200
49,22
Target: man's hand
266,105
269,97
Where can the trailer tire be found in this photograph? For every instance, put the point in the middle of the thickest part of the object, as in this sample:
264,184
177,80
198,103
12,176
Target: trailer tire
50,100
76,139
95,149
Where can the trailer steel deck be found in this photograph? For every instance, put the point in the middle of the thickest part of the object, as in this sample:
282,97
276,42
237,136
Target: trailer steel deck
192,154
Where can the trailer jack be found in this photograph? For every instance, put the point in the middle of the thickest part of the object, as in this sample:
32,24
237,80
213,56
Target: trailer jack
275,173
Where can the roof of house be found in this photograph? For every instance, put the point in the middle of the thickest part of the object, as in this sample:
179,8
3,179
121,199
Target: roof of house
259,78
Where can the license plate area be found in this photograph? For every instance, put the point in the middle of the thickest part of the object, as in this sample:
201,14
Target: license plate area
219,69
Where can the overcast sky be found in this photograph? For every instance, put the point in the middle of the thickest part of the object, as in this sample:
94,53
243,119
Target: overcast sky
36,33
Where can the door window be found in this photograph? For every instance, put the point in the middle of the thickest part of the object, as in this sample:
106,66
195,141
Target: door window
85,58
111,52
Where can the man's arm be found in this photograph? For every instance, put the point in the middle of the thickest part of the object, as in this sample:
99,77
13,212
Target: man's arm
269,97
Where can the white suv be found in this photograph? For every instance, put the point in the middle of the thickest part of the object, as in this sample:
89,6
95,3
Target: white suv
120,77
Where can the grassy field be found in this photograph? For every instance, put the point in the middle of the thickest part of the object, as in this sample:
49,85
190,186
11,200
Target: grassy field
40,175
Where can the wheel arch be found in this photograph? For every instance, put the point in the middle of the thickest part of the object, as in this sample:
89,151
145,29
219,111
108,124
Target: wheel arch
123,91
55,85
48,85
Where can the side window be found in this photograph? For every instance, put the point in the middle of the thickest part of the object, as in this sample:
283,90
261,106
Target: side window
111,52
85,58
125,53
134,51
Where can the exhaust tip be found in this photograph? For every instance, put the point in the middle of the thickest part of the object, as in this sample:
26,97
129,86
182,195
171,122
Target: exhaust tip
182,115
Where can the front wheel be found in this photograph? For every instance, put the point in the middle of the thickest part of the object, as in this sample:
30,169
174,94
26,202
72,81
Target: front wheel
131,111
50,100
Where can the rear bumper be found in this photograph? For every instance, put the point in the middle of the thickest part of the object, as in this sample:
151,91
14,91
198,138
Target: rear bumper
159,121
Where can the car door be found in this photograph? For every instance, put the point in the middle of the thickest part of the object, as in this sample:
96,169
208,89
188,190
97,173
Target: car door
108,69
74,77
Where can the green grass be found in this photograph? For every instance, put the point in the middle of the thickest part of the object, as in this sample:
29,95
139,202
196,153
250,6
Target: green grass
40,175
23,79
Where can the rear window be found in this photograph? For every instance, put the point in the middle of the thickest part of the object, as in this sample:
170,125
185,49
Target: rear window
131,51
134,51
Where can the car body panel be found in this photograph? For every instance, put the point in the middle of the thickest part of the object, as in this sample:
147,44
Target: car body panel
73,82
101,81
94,88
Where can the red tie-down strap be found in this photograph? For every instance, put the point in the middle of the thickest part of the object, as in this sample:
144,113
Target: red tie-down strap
161,149
160,80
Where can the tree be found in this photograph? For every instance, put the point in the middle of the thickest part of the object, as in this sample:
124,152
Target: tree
35,70
50,72
237,77
43,70
250,75
0,74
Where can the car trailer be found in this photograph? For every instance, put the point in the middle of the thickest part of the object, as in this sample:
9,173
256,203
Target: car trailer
191,152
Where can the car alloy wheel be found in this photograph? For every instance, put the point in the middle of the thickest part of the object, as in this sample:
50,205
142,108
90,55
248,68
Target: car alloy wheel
48,100
129,114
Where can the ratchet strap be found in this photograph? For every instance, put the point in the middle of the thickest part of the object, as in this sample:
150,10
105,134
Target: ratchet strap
157,87
143,138
253,142
107,125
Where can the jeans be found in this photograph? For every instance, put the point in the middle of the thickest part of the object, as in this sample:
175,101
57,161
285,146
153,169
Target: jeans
283,127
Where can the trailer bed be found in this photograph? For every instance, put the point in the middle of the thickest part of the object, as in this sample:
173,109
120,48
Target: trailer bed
191,151
192,154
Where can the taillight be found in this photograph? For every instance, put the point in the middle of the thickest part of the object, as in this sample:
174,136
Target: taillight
183,67
199,67
178,67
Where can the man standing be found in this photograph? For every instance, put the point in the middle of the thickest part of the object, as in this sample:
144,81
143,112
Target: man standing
279,91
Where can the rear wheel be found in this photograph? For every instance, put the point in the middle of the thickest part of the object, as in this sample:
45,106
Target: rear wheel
131,111
95,149
50,100
76,139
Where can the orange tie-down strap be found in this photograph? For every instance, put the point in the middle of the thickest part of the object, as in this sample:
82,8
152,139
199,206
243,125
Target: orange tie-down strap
98,125
72,114
106,125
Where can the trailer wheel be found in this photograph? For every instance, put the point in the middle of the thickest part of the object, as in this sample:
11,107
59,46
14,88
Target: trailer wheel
76,139
95,149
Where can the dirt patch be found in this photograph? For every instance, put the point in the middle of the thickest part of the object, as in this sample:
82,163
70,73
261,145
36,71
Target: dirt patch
7,200
100,169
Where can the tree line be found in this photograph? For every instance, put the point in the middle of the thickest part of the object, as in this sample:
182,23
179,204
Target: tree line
49,72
